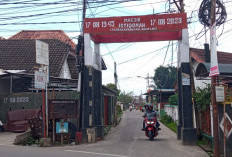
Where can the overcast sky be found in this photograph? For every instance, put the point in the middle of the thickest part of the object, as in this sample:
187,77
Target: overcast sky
14,16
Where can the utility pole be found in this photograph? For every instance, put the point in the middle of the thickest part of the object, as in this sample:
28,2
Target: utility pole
182,6
148,84
81,67
83,15
213,94
115,75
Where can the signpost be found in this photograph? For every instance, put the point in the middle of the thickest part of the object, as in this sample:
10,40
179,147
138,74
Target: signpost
62,128
42,54
40,79
220,93
42,76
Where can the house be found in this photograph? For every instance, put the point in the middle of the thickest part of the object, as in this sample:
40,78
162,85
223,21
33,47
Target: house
201,67
161,97
18,64
20,55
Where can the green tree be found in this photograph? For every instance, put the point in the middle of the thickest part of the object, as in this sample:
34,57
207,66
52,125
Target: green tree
165,77
126,98
173,100
113,87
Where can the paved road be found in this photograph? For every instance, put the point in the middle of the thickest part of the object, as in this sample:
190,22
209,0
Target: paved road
126,140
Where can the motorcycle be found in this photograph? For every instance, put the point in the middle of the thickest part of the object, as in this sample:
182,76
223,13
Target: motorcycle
151,131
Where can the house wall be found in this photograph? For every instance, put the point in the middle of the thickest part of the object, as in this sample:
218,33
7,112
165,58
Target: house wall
5,85
199,83
65,72
28,100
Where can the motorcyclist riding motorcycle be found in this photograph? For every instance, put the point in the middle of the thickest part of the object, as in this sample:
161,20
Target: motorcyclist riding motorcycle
150,113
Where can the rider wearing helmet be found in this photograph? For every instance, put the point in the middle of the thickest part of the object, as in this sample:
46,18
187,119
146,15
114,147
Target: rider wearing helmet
150,113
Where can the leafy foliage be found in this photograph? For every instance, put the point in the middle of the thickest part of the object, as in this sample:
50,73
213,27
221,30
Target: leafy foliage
168,121
165,77
173,100
30,141
113,87
165,118
119,110
107,130
126,98
203,97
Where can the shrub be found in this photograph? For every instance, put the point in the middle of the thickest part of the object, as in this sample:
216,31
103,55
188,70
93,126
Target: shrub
203,97
173,100
166,118
119,110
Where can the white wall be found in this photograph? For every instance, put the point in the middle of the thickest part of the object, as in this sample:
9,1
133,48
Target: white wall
172,111
199,83
65,72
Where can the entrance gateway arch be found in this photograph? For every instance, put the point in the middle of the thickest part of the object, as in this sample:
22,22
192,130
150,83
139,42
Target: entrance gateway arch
162,27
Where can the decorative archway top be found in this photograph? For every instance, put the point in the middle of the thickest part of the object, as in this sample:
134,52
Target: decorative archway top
136,28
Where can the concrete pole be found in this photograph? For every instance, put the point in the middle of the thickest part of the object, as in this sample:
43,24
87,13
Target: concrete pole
213,94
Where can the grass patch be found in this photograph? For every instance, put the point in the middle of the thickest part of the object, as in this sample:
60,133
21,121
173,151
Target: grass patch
168,121
206,145
202,142
172,126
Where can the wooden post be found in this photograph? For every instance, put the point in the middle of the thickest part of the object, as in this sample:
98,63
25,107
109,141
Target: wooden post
62,139
224,129
44,122
53,120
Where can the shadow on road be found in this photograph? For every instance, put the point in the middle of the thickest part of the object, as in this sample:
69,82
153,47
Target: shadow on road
155,140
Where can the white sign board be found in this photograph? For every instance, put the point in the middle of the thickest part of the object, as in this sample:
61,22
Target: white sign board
40,79
185,79
45,69
214,70
42,52
220,94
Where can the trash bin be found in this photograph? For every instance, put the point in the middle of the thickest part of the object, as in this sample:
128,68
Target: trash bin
78,138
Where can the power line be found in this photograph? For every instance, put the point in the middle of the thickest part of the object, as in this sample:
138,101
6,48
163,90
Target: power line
166,52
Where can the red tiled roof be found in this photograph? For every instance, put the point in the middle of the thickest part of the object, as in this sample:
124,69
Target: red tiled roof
199,56
45,34
1,38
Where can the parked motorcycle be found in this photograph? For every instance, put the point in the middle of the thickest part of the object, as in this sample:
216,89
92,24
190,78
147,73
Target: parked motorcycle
151,131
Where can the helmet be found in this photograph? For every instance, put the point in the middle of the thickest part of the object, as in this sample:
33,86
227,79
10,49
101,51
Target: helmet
150,107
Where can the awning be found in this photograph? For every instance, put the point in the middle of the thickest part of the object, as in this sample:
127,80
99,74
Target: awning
157,91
